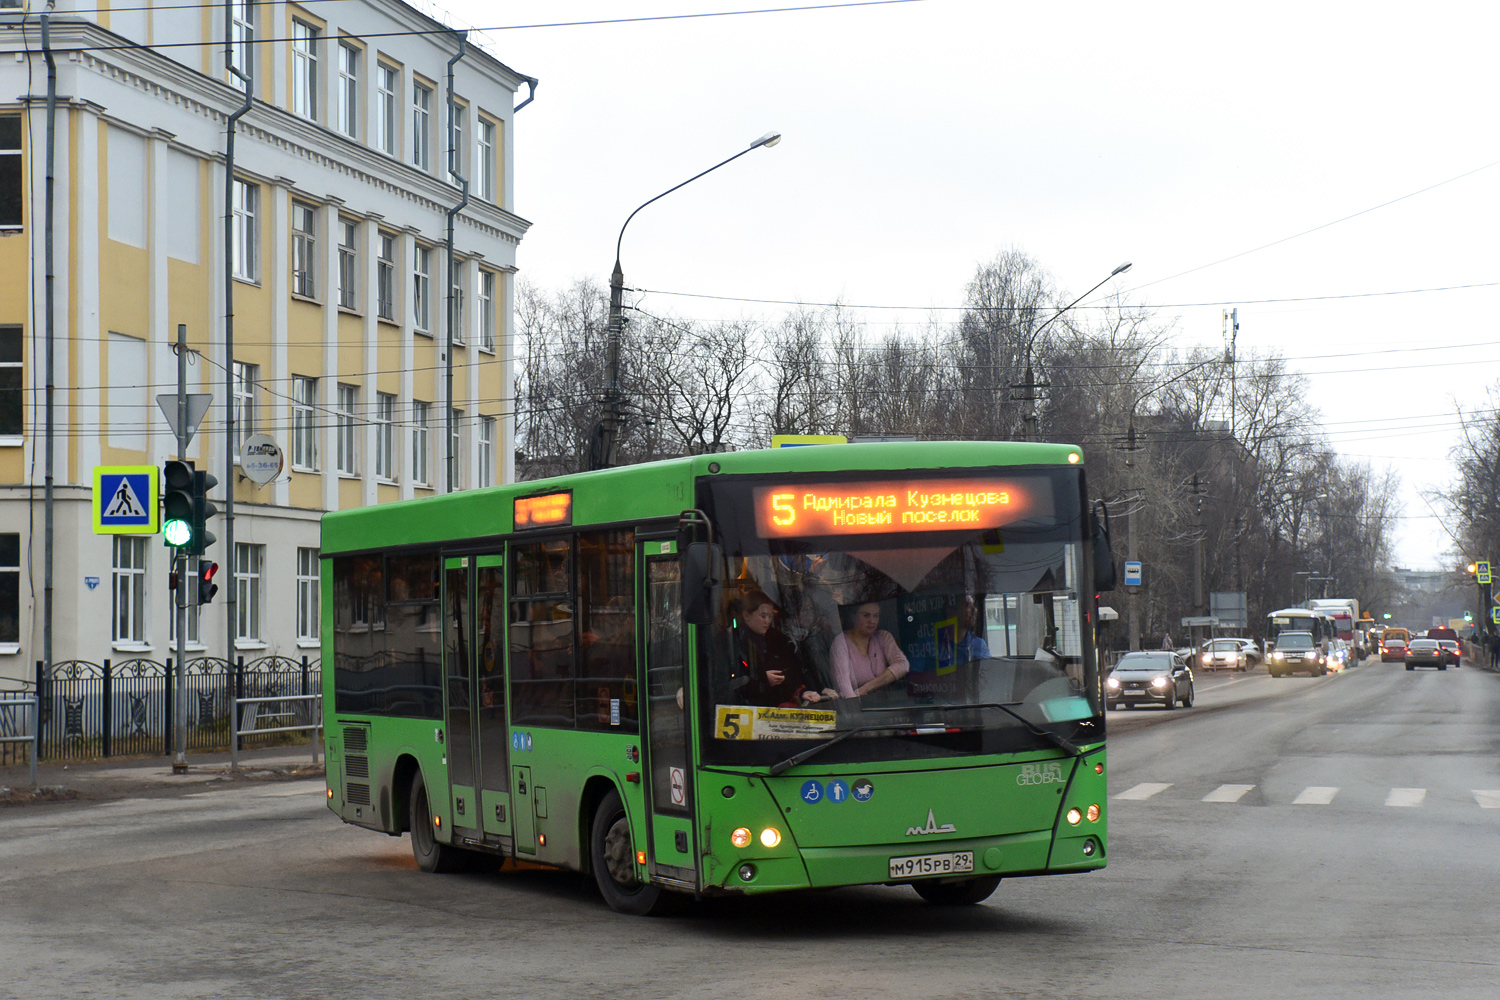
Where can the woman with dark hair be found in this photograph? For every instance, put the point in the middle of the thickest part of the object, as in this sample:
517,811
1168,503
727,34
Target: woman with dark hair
765,665
866,657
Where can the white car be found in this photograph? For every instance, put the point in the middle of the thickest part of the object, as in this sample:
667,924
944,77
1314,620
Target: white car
1226,654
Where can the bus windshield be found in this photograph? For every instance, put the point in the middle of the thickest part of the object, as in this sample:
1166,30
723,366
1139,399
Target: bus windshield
883,616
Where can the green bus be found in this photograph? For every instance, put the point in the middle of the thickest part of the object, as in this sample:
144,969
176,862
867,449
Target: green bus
732,673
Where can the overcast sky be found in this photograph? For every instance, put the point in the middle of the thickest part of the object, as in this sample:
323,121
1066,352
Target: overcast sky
922,138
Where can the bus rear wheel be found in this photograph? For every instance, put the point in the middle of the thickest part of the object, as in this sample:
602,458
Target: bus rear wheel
431,856
965,893
613,860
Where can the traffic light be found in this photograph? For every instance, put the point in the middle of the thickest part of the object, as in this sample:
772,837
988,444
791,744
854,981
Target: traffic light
202,511
177,503
206,586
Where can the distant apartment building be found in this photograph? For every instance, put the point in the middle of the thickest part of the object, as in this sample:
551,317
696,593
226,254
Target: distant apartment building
338,210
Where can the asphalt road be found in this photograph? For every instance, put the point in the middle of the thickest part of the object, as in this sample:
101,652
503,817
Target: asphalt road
1300,837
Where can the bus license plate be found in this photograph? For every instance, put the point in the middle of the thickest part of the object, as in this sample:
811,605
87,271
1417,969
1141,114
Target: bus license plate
932,864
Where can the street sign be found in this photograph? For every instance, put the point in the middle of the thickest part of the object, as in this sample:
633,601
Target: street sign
1495,615
803,440
1132,574
1483,571
1200,621
197,406
126,499
261,458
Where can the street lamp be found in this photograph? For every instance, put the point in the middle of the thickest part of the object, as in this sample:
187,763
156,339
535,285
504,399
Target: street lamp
606,435
1030,431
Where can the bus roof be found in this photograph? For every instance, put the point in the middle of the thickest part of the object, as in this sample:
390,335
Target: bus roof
653,489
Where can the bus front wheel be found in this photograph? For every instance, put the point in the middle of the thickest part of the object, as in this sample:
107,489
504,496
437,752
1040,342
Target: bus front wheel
965,893
431,856
613,859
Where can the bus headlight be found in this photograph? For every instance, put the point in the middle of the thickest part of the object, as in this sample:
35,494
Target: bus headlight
770,837
1074,817
1093,813
740,837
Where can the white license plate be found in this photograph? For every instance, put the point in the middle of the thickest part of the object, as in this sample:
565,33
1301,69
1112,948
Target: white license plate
952,863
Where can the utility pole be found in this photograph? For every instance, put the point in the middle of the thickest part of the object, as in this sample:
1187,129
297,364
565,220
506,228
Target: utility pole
180,567
1132,614
1198,609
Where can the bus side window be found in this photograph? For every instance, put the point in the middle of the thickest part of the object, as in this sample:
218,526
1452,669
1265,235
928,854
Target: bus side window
542,634
606,692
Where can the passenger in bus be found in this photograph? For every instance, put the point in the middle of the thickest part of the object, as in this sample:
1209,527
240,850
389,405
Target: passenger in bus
865,658
971,645
765,667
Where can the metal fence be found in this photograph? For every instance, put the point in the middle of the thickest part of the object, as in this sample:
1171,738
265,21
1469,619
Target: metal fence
90,710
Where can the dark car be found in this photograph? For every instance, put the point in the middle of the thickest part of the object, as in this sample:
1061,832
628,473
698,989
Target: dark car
1425,653
1452,648
1143,678
1296,651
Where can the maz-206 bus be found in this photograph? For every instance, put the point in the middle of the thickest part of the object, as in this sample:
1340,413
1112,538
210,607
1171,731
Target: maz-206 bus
570,671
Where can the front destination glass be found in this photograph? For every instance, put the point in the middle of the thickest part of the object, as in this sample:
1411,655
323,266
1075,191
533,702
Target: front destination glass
916,604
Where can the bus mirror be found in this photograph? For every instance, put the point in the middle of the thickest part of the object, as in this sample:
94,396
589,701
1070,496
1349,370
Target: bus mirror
700,583
1104,555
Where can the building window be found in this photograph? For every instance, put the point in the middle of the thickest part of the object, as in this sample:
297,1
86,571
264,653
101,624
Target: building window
12,181
10,588
421,289
421,126
309,593
193,621
486,452
385,278
347,418
487,310
456,165
304,424
348,89
385,436
485,168
249,562
11,383
348,264
305,69
242,38
246,245
304,249
456,267
421,453
245,379
456,442
387,86
130,589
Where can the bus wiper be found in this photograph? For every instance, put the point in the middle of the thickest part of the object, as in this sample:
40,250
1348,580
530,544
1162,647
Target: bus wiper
798,758
1066,746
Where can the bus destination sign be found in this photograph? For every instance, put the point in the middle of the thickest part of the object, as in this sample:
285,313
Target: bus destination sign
552,510
866,508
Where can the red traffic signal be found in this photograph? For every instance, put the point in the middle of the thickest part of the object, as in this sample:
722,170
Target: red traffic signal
206,586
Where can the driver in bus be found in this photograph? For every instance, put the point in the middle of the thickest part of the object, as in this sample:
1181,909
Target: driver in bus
765,667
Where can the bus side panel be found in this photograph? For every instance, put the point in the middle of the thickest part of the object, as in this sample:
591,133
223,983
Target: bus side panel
370,786
561,762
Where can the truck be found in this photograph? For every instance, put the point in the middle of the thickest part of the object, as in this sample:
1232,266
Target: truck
1344,611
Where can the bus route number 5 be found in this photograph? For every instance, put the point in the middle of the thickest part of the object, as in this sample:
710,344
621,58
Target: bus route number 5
783,513
736,723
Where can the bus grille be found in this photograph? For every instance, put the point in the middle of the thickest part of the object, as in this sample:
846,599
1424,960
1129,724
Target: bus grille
356,765
357,794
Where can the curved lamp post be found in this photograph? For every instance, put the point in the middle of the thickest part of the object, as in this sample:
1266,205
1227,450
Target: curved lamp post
606,434
1030,430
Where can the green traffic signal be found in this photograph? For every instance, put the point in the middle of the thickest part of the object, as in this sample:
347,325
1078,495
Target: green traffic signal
177,533
177,504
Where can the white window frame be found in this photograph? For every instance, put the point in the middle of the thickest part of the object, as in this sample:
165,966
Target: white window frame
421,443
348,96
242,42
309,595
459,440
455,153
128,591
385,278
304,423
346,418
485,169
305,38
12,610
385,437
348,264
304,249
386,120
486,453
421,289
194,619
249,569
246,378
246,263
457,291
12,384
421,125
486,296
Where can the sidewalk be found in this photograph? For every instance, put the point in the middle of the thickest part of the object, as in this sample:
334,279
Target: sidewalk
150,777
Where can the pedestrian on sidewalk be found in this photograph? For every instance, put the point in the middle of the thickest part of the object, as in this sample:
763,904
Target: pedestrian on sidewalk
1494,644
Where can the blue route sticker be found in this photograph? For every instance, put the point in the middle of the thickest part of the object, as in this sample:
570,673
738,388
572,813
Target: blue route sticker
837,791
812,792
863,789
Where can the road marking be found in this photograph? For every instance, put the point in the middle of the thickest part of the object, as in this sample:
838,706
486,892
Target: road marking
1487,799
1144,790
1406,796
1227,793
1315,795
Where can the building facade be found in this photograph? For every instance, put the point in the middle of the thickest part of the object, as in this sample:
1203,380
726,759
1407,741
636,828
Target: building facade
337,220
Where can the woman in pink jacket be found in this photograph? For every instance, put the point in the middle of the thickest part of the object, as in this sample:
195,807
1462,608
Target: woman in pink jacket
866,657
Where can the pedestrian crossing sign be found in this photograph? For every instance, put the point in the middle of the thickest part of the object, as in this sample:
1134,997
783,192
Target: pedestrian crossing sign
1482,571
127,499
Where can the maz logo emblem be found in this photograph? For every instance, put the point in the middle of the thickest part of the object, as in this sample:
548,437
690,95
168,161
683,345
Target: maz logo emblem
931,827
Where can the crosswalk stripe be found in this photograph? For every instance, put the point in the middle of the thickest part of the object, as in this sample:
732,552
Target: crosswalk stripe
1406,797
1144,790
1227,793
1487,799
1315,795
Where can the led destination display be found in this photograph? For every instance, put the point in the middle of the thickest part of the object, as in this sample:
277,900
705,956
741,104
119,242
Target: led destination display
865,508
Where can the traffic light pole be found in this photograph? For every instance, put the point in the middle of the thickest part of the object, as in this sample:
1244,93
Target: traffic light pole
180,565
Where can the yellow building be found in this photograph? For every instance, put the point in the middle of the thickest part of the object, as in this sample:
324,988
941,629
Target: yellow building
338,215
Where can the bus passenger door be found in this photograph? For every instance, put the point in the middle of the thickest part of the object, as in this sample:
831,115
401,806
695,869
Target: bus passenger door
491,724
668,767
457,691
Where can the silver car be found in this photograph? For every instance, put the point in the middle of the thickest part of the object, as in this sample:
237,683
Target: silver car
1143,678
1226,654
